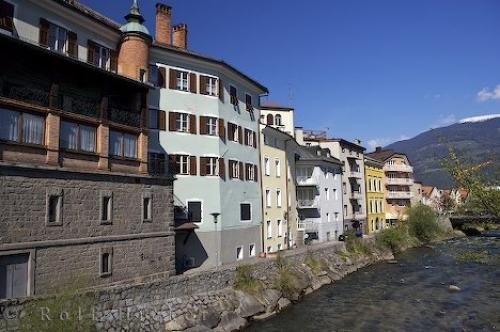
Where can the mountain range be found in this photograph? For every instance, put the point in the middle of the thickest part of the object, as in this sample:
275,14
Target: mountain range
475,140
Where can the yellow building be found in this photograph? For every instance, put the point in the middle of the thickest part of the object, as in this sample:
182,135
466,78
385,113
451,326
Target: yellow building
276,229
375,195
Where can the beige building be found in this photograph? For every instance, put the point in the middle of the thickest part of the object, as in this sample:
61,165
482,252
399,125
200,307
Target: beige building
416,190
278,191
398,181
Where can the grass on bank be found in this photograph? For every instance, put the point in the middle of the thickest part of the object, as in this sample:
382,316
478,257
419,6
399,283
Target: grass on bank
244,279
69,310
316,265
285,280
356,245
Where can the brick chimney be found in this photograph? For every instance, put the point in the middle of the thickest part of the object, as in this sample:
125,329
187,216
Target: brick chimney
163,24
179,36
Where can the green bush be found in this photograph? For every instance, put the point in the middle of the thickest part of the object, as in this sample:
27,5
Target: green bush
285,280
422,223
244,280
394,238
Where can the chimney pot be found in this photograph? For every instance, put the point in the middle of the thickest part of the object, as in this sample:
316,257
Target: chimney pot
163,24
179,36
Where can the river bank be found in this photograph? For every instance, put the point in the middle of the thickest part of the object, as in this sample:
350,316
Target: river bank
199,302
412,295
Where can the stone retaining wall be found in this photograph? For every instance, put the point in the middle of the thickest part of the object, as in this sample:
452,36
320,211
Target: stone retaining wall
207,300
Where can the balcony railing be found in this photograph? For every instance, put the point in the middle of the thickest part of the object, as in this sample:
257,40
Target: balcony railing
26,91
306,181
307,203
123,114
399,194
79,104
398,168
400,181
356,195
354,174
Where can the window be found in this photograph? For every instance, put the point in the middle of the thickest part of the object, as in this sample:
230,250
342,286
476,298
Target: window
245,212
277,164
77,137
208,166
146,207
105,262
345,210
327,194
269,119
54,209
250,172
181,164
249,138
267,166
57,38
99,55
194,211
182,80
251,250
181,122
106,207
235,169
335,194
211,86
211,126
233,95
239,253
156,163
336,216
279,246
6,16
280,228
268,198
21,127
233,132
344,188
269,249
269,229
278,198
277,120
248,102
122,144
328,217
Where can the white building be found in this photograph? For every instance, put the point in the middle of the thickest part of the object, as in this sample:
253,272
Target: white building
204,116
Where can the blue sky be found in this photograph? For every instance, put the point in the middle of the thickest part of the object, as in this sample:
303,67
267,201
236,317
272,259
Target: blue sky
376,70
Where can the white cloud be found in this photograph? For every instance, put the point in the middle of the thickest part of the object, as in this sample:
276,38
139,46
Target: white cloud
486,94
480,118
445,120
373,143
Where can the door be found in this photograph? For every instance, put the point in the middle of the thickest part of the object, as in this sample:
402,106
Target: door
14,276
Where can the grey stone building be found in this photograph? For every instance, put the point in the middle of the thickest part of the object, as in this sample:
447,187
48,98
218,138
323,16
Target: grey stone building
78,204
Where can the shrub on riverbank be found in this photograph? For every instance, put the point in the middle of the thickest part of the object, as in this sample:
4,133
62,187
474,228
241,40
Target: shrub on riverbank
394,238
422,223
244,279
285,281
314,264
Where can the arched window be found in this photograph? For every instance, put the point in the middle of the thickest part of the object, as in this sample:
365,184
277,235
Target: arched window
278,120
270,119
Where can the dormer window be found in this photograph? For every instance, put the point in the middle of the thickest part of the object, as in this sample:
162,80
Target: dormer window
233,93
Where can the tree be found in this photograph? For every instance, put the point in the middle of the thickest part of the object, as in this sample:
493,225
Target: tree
484,195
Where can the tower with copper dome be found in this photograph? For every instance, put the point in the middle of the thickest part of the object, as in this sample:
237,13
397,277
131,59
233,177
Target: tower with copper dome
133,55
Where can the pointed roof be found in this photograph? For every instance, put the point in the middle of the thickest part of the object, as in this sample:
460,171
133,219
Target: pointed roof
135,21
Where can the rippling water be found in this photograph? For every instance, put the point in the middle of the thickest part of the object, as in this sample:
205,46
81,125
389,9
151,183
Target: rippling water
412,295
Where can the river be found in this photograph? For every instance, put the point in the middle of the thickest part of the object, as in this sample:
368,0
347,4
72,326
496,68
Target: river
412,295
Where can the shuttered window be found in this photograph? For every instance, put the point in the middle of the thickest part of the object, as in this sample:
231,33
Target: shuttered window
157,119
6,16
233,95
209,166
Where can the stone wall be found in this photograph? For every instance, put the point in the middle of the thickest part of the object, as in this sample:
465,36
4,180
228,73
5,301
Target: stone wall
69,251
207,300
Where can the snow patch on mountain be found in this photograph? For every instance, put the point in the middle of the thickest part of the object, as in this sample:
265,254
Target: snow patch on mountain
480,118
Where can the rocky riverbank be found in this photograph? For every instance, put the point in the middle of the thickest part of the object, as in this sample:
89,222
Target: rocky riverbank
209,300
